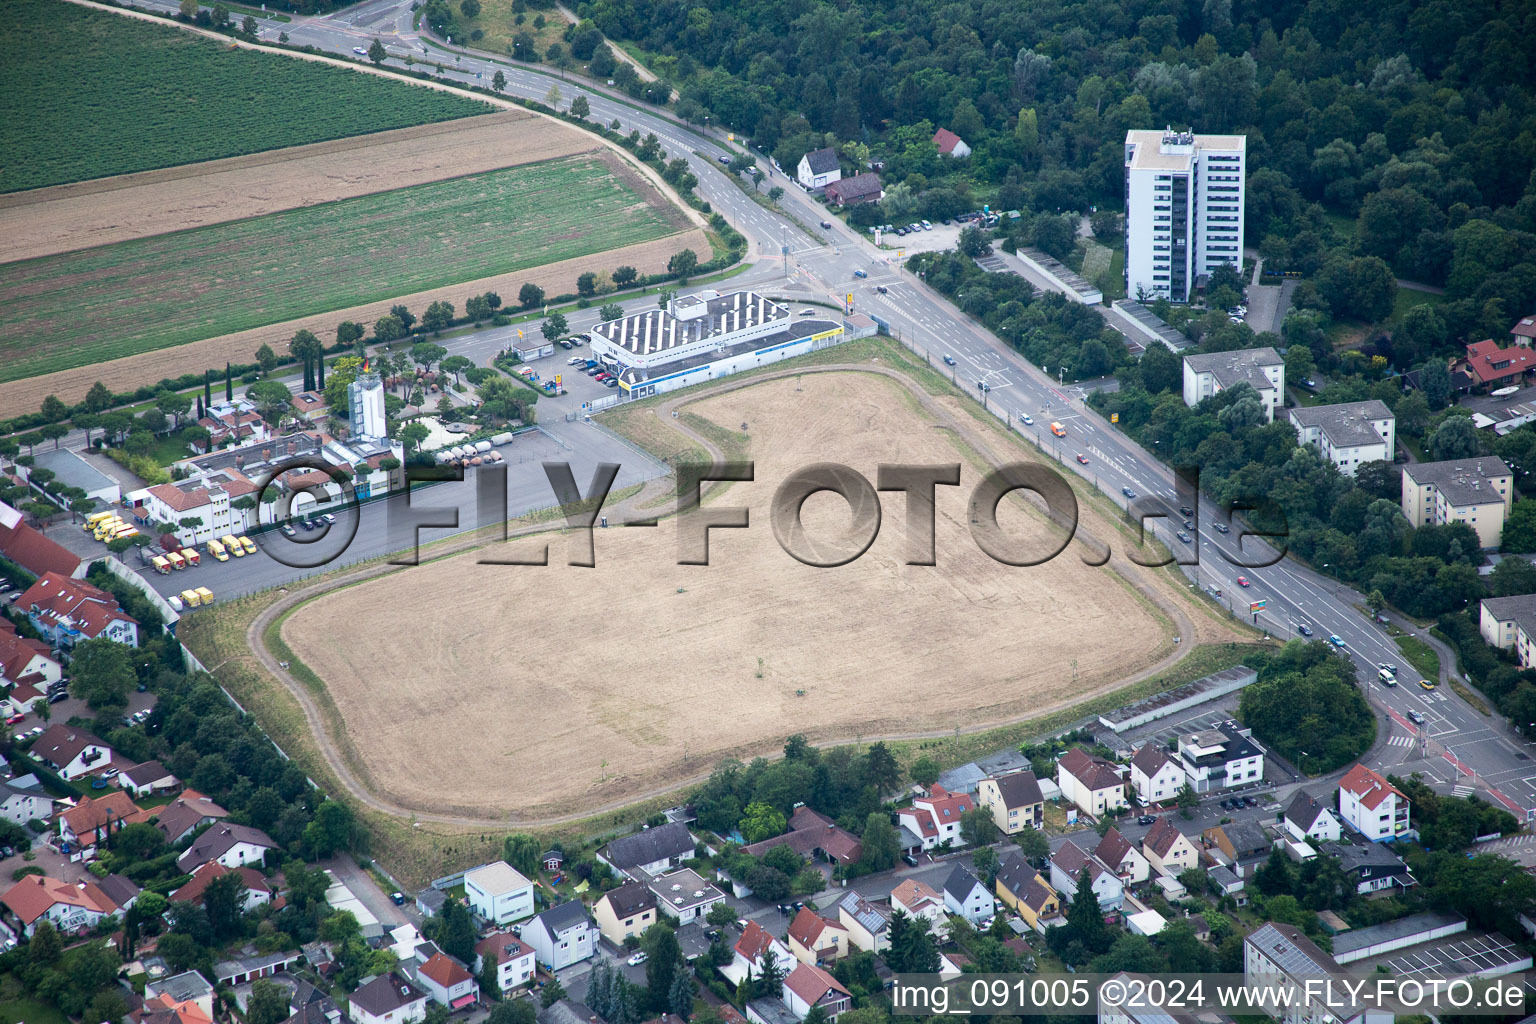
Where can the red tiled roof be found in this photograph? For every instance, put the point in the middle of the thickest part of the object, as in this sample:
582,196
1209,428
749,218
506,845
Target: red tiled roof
1093,772
1483,354
1368,787
88,815
57,597
31,550
812,983
17,652
945,140
162,1009
808,925
443,970
946,806
912,894
1150,759
754,940
1162,837
1113,848
31,897
193,888
503,946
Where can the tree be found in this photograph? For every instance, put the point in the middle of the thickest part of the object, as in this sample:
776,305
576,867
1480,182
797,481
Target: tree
53,432
611,311
579,107
775,194
984,860
684,263
1032,844
266,358
761,821
977,827
413,433
456,931
624,275
187,9
554,327
438,316
426,353
912,949
662,958
721,914
470,8
1456,438
173,405
101,672
46,947
552,993
377,53
499,81
972,242
98,399
248,26
1435,381
1520,528
522,850
271,399
530,295
586,284
1085,918
306,348
881,844
224,903
1274,877
330,831
925,771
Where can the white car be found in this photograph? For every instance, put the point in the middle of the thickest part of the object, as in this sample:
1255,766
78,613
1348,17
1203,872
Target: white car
575,361
637,959
807,312
359,51
1027,419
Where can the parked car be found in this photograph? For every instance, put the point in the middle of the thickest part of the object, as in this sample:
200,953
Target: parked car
289,531
638,959
329,518
1146,819
54,698
397,898
14,719
611,382
575,361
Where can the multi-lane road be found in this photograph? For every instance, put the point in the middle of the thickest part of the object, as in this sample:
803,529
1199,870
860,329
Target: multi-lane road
1454,742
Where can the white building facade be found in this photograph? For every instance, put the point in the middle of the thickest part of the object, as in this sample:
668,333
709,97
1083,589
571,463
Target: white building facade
1184,197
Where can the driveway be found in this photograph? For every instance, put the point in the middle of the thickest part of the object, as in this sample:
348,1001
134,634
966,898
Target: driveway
367,891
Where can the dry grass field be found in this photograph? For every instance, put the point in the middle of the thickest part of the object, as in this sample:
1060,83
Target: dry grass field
90,213
494,689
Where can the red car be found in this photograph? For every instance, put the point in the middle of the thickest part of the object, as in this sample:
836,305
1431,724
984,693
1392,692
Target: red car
14,719
1242,581
1083,459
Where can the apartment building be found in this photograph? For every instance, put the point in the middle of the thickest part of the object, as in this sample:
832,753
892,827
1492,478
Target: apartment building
1206,373
1184,210
1478,492
1348,434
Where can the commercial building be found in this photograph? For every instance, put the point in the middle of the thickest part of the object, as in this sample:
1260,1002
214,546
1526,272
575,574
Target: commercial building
1184,210
1478,492
1206,373
1278,954
1348,434
200,508
702,337
70,470
371,464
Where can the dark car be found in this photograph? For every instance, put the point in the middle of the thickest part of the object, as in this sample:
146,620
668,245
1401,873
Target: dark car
949,360
1303,629
827,224
1183,536
724,160
1186,512
397,898
1145,819
611,382
1188,525
1223,528
1128,492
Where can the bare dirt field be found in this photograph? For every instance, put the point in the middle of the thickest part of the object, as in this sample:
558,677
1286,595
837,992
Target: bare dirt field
570,688
129,372
90,213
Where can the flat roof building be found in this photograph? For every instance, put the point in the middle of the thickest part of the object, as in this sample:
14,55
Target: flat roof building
1206,373
690,325
1478,492
1183,210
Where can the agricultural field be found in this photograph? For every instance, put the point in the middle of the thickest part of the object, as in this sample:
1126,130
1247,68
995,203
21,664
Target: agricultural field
872,648
85,94
80,308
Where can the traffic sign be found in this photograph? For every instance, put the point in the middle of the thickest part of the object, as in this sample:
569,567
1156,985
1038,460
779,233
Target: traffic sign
1114,417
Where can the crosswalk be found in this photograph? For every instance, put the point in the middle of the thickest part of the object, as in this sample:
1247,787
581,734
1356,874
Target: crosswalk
1402,741
1506,842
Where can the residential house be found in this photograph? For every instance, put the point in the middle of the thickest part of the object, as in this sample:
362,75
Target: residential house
1309,821
808,985
312,1006
515,960
498,893
684,896
1122,857
186,814
1207,373
1067,866
229,844
814,939
818,169
919,901
1493,366
1243,842
562,935
25,662
446,981
71,752
66,611
120,889
1167,849
1373,866
1479,492
147,779
257,890
950,144
33,551
257,965
861,188
1090,782
90,819
965,896
650,851
186,987
1155,777
70,906
1371,805
23,800
753,952
868,924
1276,954
388,999
1348,434
166,1009
1023,890
566,1011
231,423
1226,883
935,818
624,912
814,836
1221,757
1014,800
1184,196
1524,331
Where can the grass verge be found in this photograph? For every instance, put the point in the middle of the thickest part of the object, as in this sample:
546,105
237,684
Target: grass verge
1421,656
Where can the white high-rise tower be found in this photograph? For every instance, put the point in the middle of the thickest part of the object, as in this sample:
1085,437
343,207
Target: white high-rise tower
365,401
1183,210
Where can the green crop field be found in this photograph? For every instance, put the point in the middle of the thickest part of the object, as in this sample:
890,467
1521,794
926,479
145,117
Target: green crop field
117,300
86,94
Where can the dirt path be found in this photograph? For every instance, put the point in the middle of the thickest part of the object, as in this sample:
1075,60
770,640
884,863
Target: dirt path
316,716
